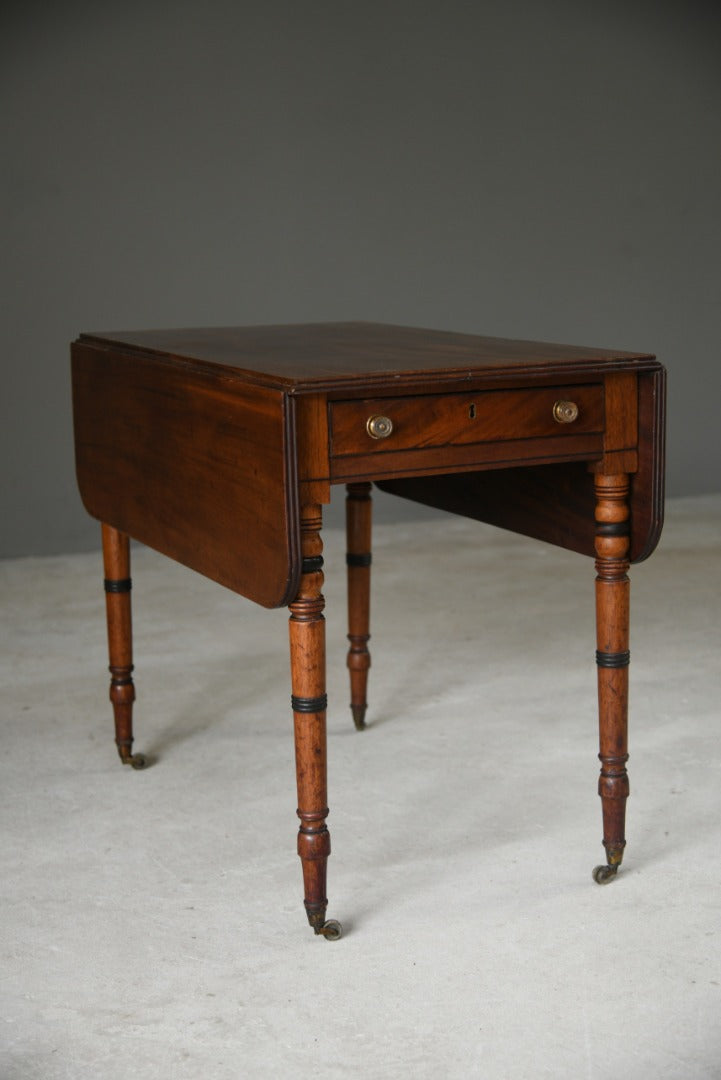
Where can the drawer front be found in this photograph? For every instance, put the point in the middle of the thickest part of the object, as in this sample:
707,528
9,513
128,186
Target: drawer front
384,425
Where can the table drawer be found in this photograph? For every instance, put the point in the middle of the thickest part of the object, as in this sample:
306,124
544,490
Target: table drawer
384,425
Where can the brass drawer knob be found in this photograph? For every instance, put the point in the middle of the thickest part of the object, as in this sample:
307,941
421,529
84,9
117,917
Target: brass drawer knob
379,427
565,412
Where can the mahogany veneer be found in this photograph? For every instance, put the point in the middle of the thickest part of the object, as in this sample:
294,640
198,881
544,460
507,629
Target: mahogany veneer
219,447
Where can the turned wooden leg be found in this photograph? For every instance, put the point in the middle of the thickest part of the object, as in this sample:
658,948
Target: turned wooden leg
307,662
116,561
612,657
358,558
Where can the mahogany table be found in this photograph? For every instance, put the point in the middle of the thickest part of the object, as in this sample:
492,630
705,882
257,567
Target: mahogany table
219,447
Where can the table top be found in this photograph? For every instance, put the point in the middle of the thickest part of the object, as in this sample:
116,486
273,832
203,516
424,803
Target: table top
315,356
206,443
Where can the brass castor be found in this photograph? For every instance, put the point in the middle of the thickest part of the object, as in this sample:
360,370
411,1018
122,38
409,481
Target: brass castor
136,761
603,874
359,716
331,930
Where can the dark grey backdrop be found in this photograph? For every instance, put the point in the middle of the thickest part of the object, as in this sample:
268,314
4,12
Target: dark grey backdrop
532,168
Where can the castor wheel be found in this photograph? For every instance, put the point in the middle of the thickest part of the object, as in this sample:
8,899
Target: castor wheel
359,716
603,874
136,761
331,930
